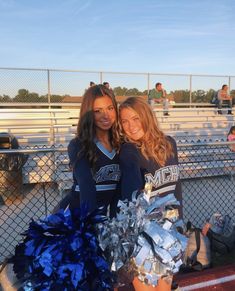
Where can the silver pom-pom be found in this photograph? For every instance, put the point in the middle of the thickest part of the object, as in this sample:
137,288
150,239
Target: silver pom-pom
143,239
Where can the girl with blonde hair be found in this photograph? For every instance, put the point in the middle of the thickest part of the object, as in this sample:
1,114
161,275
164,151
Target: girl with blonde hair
147,156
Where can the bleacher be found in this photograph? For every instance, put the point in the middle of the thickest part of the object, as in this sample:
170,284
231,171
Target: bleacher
39,126
196,124
57,126
206,160
53,127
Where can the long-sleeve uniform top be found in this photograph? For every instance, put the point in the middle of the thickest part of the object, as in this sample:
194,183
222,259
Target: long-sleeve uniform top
137,170
96,187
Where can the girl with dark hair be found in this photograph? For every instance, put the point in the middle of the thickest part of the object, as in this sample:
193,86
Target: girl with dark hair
93,152
67,239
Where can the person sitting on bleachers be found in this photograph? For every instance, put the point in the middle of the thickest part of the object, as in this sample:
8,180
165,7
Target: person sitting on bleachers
231,137
224,98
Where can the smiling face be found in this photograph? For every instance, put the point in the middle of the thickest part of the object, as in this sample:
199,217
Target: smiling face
104,113
131,124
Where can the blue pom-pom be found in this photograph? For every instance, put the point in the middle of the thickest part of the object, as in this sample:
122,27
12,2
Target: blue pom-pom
62,252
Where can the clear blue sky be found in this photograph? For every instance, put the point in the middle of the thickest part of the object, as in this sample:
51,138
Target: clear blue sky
172,36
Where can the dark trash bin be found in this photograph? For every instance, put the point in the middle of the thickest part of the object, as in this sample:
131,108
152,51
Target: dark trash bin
10,168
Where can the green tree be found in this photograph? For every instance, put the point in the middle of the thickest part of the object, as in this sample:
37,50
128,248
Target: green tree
198,96
33,97
209,95
22,96
5,98
181,96
232,94
133,92
119,91
43,98
56,98
26,96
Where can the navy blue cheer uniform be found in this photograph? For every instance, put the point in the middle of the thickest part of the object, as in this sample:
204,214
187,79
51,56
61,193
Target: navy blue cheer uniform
98,186
137,170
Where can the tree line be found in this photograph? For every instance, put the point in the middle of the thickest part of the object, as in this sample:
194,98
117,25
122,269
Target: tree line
26,96
179,96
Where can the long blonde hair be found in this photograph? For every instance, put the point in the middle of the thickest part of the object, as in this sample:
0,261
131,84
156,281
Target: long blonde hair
154,144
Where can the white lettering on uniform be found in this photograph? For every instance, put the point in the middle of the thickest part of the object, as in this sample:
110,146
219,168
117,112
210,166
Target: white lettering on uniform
108,173
163,176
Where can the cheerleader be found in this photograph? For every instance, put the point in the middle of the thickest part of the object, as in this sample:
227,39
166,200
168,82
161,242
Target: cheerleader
93,153
147,156
62,252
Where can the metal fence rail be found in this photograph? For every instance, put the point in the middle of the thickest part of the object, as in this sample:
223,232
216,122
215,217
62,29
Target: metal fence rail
33,181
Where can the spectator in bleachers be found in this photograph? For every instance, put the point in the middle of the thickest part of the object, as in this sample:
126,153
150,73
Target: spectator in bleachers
231,137
92,83
107,85
224,98
158,95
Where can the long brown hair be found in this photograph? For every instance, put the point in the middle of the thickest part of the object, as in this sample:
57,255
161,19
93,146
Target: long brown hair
154,144
86,130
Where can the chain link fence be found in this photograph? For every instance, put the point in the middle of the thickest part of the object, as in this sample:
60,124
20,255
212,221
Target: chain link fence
53,86
33,188
208,180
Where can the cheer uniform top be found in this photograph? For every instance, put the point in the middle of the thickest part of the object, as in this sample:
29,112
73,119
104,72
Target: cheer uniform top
96,187
137,170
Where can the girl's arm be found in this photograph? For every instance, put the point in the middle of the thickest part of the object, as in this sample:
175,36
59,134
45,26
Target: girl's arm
83,175
131,178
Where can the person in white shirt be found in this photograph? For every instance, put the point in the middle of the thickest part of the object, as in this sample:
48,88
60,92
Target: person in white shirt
224,98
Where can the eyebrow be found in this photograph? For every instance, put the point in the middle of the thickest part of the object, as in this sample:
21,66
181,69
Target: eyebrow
133,116
111,105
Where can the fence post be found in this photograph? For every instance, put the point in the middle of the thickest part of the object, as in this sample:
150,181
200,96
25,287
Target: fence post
190,92
48,89
148,83
229,84
101,77
52,131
